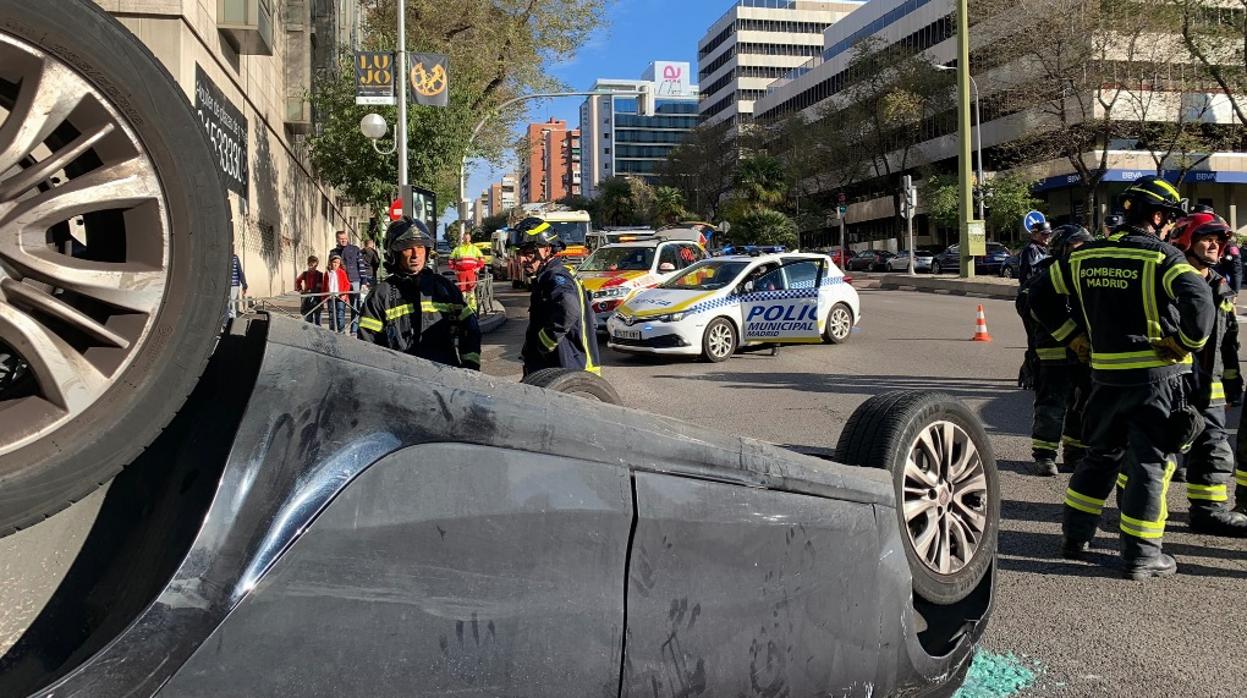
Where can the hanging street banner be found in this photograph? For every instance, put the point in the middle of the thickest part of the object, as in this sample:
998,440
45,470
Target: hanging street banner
430,79
226,129
374,78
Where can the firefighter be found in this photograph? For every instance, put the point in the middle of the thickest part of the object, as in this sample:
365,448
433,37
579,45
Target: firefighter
561,329
1146,310
1062,382
467,261
1210,462
1029,259
417,311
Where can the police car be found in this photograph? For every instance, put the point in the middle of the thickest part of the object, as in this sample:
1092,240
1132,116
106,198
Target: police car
615,271
716,306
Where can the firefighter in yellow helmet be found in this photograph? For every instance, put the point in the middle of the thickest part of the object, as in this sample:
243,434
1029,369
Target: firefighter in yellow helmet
1137,310
561,330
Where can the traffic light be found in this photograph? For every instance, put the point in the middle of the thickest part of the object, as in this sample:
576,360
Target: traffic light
645,101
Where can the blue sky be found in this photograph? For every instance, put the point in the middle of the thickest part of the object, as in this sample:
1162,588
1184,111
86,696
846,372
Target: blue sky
637,32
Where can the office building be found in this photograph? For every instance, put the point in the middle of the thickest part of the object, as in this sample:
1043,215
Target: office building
755,42
549,162
503,195
820,89
620,141
255,60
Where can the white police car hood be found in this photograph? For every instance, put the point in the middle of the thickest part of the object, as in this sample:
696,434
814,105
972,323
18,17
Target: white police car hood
662,300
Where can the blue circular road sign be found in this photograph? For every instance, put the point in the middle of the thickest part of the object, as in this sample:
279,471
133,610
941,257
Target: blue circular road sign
1033,219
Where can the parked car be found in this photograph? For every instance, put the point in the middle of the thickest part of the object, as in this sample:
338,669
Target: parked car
950,260
870,260
922,261
1012,265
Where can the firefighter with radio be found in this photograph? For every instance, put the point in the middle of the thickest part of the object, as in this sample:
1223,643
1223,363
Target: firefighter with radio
1134,308
1061,381
561,326
417,311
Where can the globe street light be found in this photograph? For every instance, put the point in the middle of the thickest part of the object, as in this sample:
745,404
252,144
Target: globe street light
373,127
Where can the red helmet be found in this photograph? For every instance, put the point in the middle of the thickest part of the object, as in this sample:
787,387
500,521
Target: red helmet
1197,225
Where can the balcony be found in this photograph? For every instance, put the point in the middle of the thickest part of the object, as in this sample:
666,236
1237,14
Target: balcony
247,25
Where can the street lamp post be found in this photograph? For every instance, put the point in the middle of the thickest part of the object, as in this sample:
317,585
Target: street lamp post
963,136
978,141
401,130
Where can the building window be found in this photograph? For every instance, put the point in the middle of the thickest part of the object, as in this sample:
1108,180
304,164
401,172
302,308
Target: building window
606,151
606,135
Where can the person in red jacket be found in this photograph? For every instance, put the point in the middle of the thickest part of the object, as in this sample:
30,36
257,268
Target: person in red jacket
309,284
338,285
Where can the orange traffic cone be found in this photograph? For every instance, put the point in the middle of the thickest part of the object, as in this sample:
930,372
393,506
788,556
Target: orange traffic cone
980,327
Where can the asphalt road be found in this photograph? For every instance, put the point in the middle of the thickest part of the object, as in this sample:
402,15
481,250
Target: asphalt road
1084,631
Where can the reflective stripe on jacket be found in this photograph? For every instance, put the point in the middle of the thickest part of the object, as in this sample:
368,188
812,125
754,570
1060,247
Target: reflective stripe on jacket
1128,292
423,315
561,326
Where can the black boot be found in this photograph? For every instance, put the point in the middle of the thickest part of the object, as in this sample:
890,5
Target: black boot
1179,474
1072,549
1044,467
1219,522
1161,565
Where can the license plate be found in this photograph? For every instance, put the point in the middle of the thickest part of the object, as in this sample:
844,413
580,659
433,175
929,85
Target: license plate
628,334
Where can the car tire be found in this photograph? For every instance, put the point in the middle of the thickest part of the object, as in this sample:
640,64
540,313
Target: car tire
935,267
839,324
574,382
719,341
949,516
59,442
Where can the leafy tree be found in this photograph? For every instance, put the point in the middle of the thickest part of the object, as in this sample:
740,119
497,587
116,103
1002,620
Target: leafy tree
1009,199
497,50
1074,82
668,206
702,168
761,180
942,200
764,226
625,201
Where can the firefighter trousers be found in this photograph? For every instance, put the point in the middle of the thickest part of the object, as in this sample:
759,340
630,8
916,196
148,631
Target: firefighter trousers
1125,426
1060,394
1240,472
1210,463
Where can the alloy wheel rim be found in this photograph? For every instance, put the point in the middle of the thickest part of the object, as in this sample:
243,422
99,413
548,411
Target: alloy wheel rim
944,497
840,323
720,340
84,244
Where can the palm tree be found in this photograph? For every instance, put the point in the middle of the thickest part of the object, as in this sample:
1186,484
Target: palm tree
760,179
668,205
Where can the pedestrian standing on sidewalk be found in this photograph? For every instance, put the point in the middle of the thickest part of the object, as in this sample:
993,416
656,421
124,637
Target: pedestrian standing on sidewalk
237,284
357,271
310,284
338,286
373,259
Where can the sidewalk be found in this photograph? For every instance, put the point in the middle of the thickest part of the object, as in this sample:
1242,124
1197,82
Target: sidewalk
978,287
288,304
